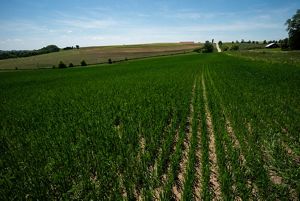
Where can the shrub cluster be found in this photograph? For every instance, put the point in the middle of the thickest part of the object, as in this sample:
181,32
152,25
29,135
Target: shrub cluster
63,65
235,47
83,63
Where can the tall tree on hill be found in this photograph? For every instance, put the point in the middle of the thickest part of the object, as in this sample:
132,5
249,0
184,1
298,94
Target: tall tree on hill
294,31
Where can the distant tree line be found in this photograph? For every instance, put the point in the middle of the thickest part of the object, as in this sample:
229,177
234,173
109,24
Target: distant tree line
256,42
28,53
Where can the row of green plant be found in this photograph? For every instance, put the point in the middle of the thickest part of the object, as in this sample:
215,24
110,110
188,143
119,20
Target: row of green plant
78,137
258,103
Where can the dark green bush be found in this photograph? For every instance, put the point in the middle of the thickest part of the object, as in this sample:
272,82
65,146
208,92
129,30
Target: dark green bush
83,63
235,47
62,65
225,48
208,47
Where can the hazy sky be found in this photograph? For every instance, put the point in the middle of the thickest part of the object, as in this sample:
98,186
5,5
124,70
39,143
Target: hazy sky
32,24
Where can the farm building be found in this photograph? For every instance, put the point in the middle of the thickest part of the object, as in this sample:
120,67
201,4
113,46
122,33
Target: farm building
272,45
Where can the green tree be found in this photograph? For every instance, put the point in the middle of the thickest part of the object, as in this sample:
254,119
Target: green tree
208,47
49,49
293,28
284,44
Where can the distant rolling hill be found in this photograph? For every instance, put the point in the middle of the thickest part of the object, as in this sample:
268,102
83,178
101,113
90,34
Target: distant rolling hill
95,55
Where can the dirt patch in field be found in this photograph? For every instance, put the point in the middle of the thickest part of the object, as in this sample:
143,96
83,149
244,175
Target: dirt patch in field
121,186
291,153
276,179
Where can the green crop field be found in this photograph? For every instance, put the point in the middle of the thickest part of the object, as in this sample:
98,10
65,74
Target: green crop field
185,127
96,55
270,56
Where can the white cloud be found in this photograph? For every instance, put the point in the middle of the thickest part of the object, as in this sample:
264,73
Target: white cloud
87,23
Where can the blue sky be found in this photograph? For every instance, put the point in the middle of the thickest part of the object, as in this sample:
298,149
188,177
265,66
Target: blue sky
32,24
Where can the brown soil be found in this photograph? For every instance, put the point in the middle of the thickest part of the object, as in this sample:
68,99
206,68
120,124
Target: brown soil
291,153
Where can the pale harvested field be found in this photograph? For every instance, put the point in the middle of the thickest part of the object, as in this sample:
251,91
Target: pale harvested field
95,55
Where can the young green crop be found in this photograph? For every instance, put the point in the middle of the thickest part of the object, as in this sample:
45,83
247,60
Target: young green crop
119,132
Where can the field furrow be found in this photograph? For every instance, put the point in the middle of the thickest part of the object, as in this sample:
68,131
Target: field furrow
183,165
197,187
237,165
214,172
198,182
163,179
166,132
